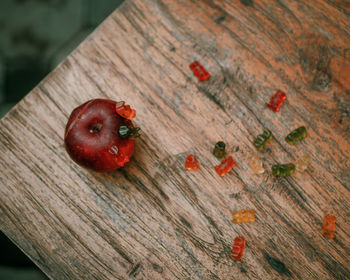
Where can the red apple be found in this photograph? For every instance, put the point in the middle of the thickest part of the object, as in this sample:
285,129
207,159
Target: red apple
98,138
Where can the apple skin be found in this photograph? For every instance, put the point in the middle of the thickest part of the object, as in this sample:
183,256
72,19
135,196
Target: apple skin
92,139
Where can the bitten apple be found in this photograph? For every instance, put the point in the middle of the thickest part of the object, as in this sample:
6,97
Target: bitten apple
99,138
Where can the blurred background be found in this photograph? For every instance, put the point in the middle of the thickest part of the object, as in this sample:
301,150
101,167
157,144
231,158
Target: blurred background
35,36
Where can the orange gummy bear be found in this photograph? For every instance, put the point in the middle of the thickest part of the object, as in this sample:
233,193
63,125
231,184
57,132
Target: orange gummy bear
225,166
243,216
191,162
328,226
124,110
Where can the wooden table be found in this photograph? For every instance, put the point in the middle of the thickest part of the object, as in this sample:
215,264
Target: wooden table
153,219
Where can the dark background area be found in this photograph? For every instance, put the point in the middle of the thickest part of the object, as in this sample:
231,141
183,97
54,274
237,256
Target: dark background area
36,35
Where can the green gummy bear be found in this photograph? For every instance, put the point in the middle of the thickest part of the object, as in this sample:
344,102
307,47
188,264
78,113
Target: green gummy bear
283,169
296,135
261,139
219,149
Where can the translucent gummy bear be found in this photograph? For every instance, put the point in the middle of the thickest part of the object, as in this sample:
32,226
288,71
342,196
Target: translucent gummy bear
302,163
256,164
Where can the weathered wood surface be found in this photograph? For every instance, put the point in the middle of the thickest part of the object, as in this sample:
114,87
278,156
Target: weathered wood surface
152,219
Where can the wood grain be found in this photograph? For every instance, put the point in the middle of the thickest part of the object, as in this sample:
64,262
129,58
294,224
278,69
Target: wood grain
154,220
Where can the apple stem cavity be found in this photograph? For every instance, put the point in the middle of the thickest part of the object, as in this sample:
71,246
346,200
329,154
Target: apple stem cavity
129,132
95,128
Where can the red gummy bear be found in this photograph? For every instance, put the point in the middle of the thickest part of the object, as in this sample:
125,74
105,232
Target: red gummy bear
191,162
238,248
199,71
225,166
277,100
124,110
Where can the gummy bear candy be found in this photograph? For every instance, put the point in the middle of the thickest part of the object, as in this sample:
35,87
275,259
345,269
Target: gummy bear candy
256,164
283,169
302,163
296,135
243,216
191,162
125,111
199,71
219,149
238,248
277,100
261,139
129,132
328,226
225,166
